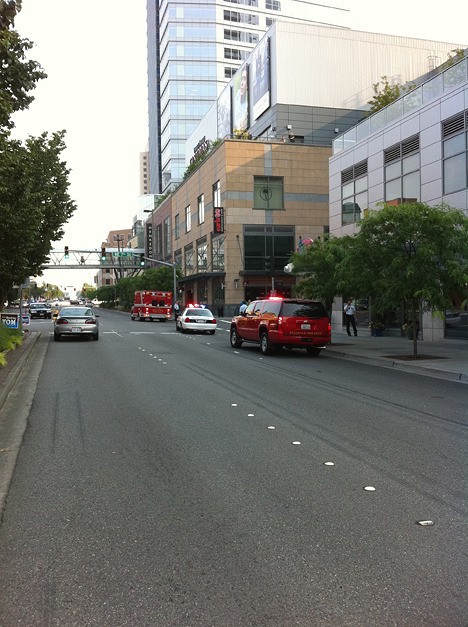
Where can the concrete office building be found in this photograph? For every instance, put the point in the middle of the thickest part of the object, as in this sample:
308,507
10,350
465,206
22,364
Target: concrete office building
193,51
416,149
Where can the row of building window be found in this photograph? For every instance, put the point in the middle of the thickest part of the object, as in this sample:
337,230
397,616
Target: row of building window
261,243
236,55
241,18
238,35
402,171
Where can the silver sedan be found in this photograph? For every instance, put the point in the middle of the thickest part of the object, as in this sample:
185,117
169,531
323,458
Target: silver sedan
76,322
196,319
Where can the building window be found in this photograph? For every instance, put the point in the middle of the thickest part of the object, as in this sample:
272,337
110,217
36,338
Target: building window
167,237
237,35
230,71
268,192
250,3
240,18
202,255
236,55
217,194
178,258
177,227
201,209
269,21
267,245
402,172
353,193
273,5
188,269
159,240
455,153
217,247
188,220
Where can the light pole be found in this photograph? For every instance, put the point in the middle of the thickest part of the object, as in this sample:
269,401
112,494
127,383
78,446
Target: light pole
119,238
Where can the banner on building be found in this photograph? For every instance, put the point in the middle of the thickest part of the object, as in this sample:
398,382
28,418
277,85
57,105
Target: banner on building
218,220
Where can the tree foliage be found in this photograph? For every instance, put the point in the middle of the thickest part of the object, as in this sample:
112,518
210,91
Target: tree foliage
411,253
318,266
154,279
385,94
34,199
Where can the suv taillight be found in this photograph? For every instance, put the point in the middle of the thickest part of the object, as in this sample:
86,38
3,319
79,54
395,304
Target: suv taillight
280,322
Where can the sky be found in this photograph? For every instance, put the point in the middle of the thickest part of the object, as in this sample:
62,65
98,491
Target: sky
94,54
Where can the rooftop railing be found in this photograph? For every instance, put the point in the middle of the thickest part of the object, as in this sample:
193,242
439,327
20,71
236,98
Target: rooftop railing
453,76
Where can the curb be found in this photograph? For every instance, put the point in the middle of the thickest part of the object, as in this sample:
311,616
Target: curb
376,361
14,370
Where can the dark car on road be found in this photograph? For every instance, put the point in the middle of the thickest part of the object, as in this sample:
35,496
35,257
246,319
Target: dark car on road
282,322
39,310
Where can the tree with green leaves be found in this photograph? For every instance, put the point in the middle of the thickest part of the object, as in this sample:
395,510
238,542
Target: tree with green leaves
411,253
34,199
317,265
385,94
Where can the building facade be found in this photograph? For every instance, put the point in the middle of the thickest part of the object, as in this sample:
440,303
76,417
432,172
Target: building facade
194,49
238,218
416,149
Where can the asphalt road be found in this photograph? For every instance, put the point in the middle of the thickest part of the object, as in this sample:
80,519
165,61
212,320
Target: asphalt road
168,480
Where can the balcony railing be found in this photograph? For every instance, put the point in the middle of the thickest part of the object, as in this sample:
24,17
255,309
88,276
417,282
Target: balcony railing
420,96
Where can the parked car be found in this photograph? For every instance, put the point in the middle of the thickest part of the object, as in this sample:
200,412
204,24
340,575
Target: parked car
39,310
283,322
76,322
196,318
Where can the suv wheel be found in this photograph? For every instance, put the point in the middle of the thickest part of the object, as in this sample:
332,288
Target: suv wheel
265,344
313,352
234,338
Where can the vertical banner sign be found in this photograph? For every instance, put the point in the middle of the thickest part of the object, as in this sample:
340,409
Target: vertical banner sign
149,239
218,220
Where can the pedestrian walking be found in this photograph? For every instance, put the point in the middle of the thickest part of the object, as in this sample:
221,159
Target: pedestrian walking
243,307
350,311
176,309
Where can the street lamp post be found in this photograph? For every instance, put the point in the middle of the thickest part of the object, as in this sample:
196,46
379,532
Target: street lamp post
119,238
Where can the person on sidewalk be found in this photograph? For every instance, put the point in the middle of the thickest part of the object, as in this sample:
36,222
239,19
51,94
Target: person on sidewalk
243,307
350,310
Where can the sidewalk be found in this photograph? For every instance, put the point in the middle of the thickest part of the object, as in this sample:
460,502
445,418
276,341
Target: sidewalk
447,359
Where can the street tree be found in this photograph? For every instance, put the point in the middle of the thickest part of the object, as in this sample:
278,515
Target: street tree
34,179
317,266
411,252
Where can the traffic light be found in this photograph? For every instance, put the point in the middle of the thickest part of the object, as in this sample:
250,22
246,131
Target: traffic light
103,253
268,264
142,259
66,252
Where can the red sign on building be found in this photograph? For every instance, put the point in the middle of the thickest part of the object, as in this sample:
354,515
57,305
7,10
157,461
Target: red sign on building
218,220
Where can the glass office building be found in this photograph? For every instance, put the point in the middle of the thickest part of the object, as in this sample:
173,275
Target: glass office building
194,49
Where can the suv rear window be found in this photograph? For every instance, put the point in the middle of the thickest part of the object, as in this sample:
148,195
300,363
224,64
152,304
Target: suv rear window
303,310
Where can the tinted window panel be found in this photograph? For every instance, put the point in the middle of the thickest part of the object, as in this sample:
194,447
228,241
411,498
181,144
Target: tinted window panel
304,310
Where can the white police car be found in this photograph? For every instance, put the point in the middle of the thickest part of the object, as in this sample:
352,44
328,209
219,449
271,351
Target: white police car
196,318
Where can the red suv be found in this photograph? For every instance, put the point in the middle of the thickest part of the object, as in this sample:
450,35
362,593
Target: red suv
288,322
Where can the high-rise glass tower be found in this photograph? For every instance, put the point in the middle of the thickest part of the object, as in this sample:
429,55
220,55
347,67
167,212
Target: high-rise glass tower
194,48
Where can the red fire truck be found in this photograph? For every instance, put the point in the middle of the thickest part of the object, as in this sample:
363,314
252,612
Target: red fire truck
152,306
